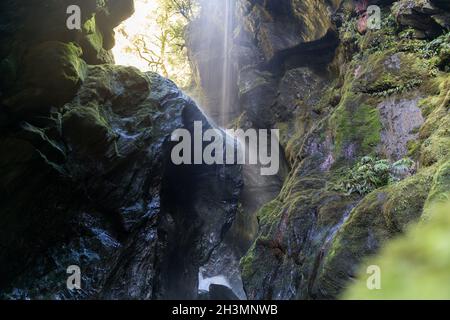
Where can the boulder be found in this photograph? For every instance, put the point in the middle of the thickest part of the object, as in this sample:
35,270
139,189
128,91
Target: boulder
129,212
428,19
52,72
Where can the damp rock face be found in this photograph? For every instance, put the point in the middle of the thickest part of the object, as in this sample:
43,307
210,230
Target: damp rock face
428,18
123,211
340,98
42,61
312,237
86,169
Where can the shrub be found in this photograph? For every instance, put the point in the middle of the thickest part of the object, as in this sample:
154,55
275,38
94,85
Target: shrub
370,174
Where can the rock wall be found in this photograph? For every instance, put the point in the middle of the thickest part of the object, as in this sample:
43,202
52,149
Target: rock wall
358,112
86,176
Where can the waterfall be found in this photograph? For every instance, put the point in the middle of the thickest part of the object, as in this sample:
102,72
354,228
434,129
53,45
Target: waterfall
227,78
211,43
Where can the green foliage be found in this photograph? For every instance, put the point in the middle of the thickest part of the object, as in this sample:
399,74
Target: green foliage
439,51
160,42
186,8
414,266
440,191
434,47
403,87
370,174
380,40
401,168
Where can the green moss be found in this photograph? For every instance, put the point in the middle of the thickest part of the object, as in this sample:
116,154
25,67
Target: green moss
440,192
52,72
74,68
285,133
415,266
93,34
434,149
405,201
353,122
87,132
391,72
379,40
330,98
93,43
364,230
246,263
269,213
435,133
413,148
378,217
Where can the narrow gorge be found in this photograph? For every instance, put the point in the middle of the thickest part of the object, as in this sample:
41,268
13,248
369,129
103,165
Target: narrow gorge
359,92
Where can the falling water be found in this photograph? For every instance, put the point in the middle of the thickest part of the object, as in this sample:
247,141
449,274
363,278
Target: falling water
226,94
213,42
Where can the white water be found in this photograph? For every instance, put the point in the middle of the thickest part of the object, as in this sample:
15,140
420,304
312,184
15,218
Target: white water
212,37
227,67
204,283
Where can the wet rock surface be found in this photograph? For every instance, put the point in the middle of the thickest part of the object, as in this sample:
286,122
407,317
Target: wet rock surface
339,95
87,172
108,152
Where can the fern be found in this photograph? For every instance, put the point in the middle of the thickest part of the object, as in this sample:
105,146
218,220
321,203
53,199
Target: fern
370,174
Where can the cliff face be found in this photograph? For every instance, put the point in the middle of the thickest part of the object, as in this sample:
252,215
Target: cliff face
364,117
380,96
86,175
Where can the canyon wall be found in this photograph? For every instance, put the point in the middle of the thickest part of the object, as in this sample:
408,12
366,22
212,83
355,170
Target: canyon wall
363,115
86,173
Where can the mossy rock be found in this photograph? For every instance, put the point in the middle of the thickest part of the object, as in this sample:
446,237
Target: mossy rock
356,127
388,72
52,73
125,87
389,65
434,135
414,266
92,44
376,219
86,131
440,191
292,230
406,200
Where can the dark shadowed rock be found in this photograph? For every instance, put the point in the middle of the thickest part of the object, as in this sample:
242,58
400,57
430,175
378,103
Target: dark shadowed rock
218,292
115,165
427,17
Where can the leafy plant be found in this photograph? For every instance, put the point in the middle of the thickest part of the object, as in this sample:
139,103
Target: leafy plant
370,174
